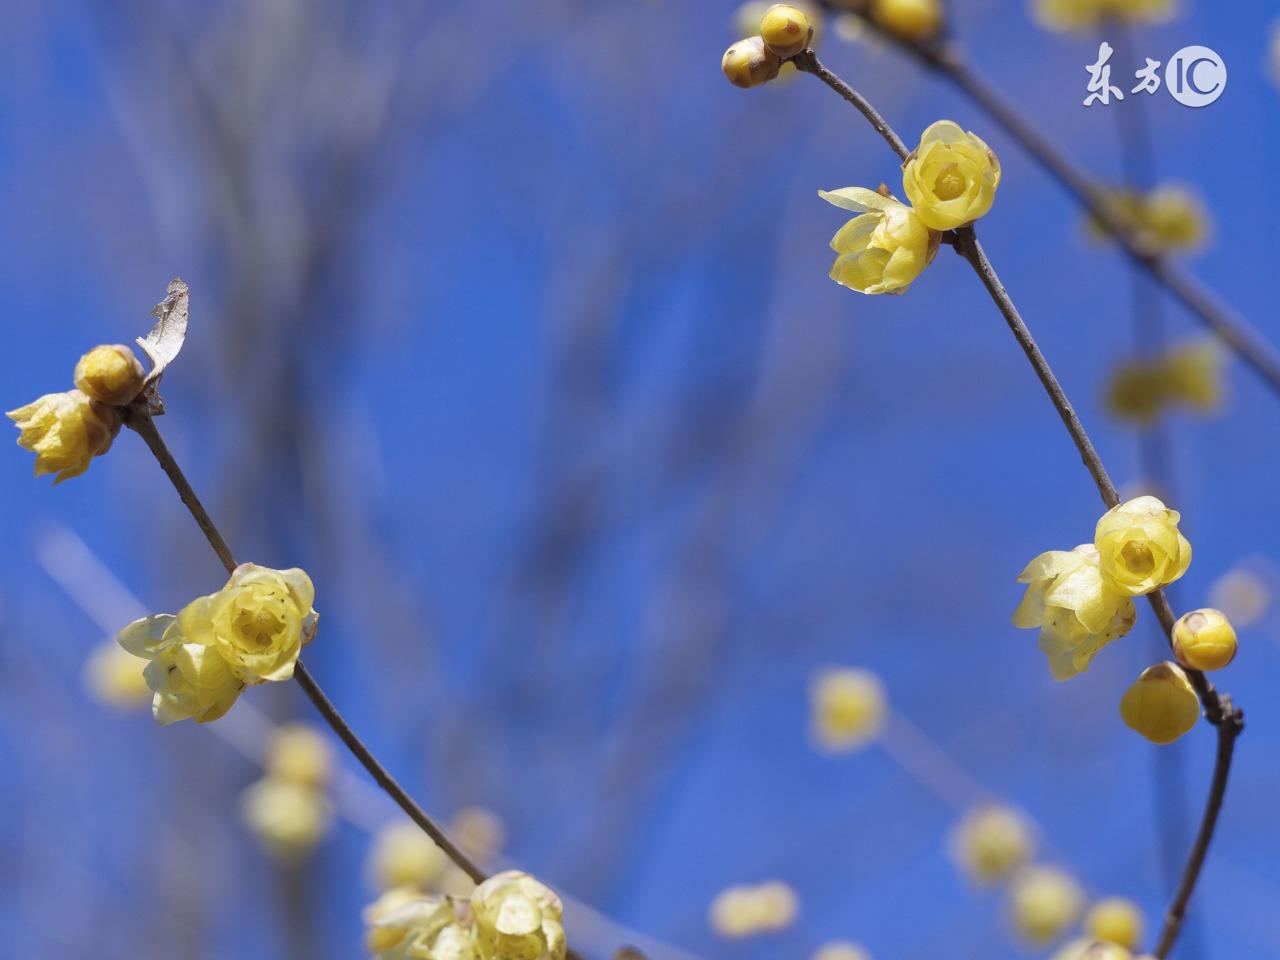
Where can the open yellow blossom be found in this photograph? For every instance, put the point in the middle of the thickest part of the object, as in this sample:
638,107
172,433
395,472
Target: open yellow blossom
1043,903
110,374
748,910
1077,610
848,708
190,680
113,677
1087,949
841,950
299,754
403,856
289,819
951,177
1139,546
1204,640
65,431
1161,705
992,842
885,248
517,918
380,938
912,20
424,928
1087,14
1115,920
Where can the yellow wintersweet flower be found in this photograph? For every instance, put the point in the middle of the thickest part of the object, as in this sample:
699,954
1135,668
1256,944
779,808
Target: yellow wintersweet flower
517,918
1115,920
189,679
380,938
786,30
1161,705
65,431
1204,640
951,177
289,819
885,248
424,928
992,842
1139,546
749,63
748,910
912,20
110,374
1044,902
848,708
841,950
1087,14
1086,949
114,677
1077,610
297,753
403,856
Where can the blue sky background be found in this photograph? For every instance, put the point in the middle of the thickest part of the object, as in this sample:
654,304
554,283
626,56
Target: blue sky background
533,362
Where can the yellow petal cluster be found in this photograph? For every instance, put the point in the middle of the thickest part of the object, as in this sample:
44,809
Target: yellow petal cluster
747,910
951,177
110,374
1076,608
517,918
65,431
842,950
1088,14
113,677
249,632
883,249
1086,949
1043,903
1140,548
1189,375
991,842
1115,920
1161,705
911,20
848,708
403,856
407,927
289,819
297,753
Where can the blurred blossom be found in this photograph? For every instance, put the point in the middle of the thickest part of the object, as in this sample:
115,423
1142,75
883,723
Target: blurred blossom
403,856
841,950
1170,218
848,708
1243,594
1089,14
748,910
1188,375
1087,949
1115,920
113,677
289,819
299,754
1043,903
992,842
480,833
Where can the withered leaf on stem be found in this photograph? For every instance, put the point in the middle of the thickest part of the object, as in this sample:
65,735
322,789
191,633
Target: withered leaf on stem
165,340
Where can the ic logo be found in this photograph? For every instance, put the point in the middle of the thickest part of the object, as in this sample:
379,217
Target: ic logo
1196,76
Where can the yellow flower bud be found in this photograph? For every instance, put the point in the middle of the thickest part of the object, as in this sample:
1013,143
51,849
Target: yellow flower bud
1161,705
1089,14
1077,610
1173,219
841,950
478,832
1086,949
884,249
114,677
517,918
786,30
1115,920
403,856
1244,595
1139,546
848,708
110,374
1044,902
912,20
951,177
748,910
299,754
65,431
1204,640
991,843
749,63
1136,392
1193,375
289,819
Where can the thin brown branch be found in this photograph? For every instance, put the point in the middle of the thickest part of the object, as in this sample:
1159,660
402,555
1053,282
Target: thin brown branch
809,63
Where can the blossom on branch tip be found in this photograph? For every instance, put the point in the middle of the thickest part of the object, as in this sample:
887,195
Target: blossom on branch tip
1043,903
1115,920
517,918
110,374
1140,548
1161,705
1077,610
883,249
1204,640
951,177
991,842
848,708
911,20
65,431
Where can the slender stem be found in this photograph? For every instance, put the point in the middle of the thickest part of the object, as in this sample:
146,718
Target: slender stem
1218,710
809,63
144,426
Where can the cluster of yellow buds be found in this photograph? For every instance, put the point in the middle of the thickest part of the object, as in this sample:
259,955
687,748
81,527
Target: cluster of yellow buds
288,809
991,843
1088,14
1188,375
748,910
1167,219
249,632
1082,599
771,35
511,916
950,178
847,708
1043,904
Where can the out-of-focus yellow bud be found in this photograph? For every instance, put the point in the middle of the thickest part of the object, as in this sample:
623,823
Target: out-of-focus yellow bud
1173,219
299,754
951,177
1086,949
289,819
404,856
1088,14
912,20
848,708
1193,375
113,677
1139,546
1077,610
841,950
1204,640
110,374
885,248
1043,903
1242,594
748,910
379,939
786,30
1115,920
1136,392
749,63
479,833
992,842
1161,705
65,431
517,918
